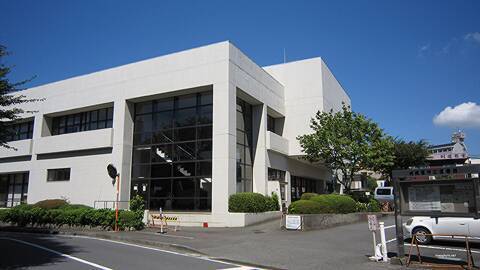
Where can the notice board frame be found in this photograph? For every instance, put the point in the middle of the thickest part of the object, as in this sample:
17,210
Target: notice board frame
435,178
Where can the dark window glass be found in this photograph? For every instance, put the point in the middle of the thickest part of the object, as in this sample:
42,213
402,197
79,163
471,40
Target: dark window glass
163,136
161,188
270,123
177,132
162,170
97,119
13,189
187,101
244,151
185,117
19,131
165,104
58,174
185,134
163,120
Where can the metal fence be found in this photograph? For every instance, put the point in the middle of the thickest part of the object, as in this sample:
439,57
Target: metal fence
110,204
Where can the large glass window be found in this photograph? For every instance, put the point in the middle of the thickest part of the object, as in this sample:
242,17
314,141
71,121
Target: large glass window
19,131
13,189
172,155
244,147
300,185
91,120
58,174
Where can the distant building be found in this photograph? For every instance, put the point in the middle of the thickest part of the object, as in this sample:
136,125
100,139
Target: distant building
450,153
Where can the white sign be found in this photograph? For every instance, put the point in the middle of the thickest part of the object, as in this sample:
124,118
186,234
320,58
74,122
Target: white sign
372,223
293,222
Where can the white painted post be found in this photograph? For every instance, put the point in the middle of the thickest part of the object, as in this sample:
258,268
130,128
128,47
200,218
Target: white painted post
374,244
383,241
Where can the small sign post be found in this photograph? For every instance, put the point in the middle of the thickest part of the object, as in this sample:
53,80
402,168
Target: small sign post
293,222
373,226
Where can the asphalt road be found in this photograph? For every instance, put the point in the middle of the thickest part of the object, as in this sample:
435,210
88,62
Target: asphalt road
35,251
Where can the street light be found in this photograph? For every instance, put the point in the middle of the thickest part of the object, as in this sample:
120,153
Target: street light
113,173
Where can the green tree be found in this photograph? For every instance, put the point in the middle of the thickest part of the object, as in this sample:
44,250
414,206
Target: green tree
371,184
347,142
407,154
8,100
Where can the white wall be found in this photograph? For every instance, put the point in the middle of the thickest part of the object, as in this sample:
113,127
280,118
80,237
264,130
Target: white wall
309,87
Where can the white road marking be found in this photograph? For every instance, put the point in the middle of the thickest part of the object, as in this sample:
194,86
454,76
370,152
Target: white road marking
58,253
152,248
391,240
391,226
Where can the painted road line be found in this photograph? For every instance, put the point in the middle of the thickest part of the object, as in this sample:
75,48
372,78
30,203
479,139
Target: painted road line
151,248
388,227
391,240
58,253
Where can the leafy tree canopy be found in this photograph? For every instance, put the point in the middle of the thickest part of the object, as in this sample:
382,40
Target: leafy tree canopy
8,99
348,142
407,154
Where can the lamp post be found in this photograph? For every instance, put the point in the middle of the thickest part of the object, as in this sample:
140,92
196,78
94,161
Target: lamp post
113,173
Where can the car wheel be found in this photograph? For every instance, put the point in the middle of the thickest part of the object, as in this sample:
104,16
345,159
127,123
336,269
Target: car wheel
421,234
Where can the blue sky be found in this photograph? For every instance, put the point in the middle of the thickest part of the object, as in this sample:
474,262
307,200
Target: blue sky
402,62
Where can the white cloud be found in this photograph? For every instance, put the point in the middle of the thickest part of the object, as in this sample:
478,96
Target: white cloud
474,36
423,49
464,115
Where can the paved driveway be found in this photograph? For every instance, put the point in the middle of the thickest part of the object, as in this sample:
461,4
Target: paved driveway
34,251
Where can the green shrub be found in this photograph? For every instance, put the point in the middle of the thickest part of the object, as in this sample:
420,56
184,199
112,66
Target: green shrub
305,207
361,207
74,206
308,196
373,206
274,205
335,204
249,202
51,203
360,197
130,219
137,204
24,215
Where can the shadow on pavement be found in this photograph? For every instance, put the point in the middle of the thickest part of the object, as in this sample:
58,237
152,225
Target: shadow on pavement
18,255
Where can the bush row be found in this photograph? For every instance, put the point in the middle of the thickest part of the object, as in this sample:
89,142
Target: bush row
331,204
70,215
250,202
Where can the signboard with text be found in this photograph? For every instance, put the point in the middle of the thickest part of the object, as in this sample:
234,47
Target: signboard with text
293,222
447,191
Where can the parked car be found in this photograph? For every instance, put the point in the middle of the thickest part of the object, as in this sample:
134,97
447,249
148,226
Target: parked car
383,194
445,225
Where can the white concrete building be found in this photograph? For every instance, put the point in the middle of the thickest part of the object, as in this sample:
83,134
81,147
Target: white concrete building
186,130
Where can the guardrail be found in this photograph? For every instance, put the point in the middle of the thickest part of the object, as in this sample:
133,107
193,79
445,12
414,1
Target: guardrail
111,204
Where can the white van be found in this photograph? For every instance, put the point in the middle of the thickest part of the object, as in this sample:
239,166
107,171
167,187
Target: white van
384,194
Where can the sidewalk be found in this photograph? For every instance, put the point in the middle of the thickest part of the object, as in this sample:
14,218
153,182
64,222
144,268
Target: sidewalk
266,245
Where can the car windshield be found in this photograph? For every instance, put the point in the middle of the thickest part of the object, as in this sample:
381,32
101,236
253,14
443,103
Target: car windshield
383,191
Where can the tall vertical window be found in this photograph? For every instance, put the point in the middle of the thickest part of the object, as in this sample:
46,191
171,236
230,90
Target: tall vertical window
172,155
270,123
13,189
244,147
20,131
91,120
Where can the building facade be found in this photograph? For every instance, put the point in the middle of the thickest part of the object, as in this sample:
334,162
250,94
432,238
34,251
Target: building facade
454,152
185,131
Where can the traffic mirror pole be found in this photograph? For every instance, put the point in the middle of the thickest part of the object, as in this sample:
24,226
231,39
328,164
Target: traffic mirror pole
116,203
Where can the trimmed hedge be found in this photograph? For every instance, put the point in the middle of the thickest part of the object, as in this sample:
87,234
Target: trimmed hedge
250,202
305,207
308,196
335,203
73,215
